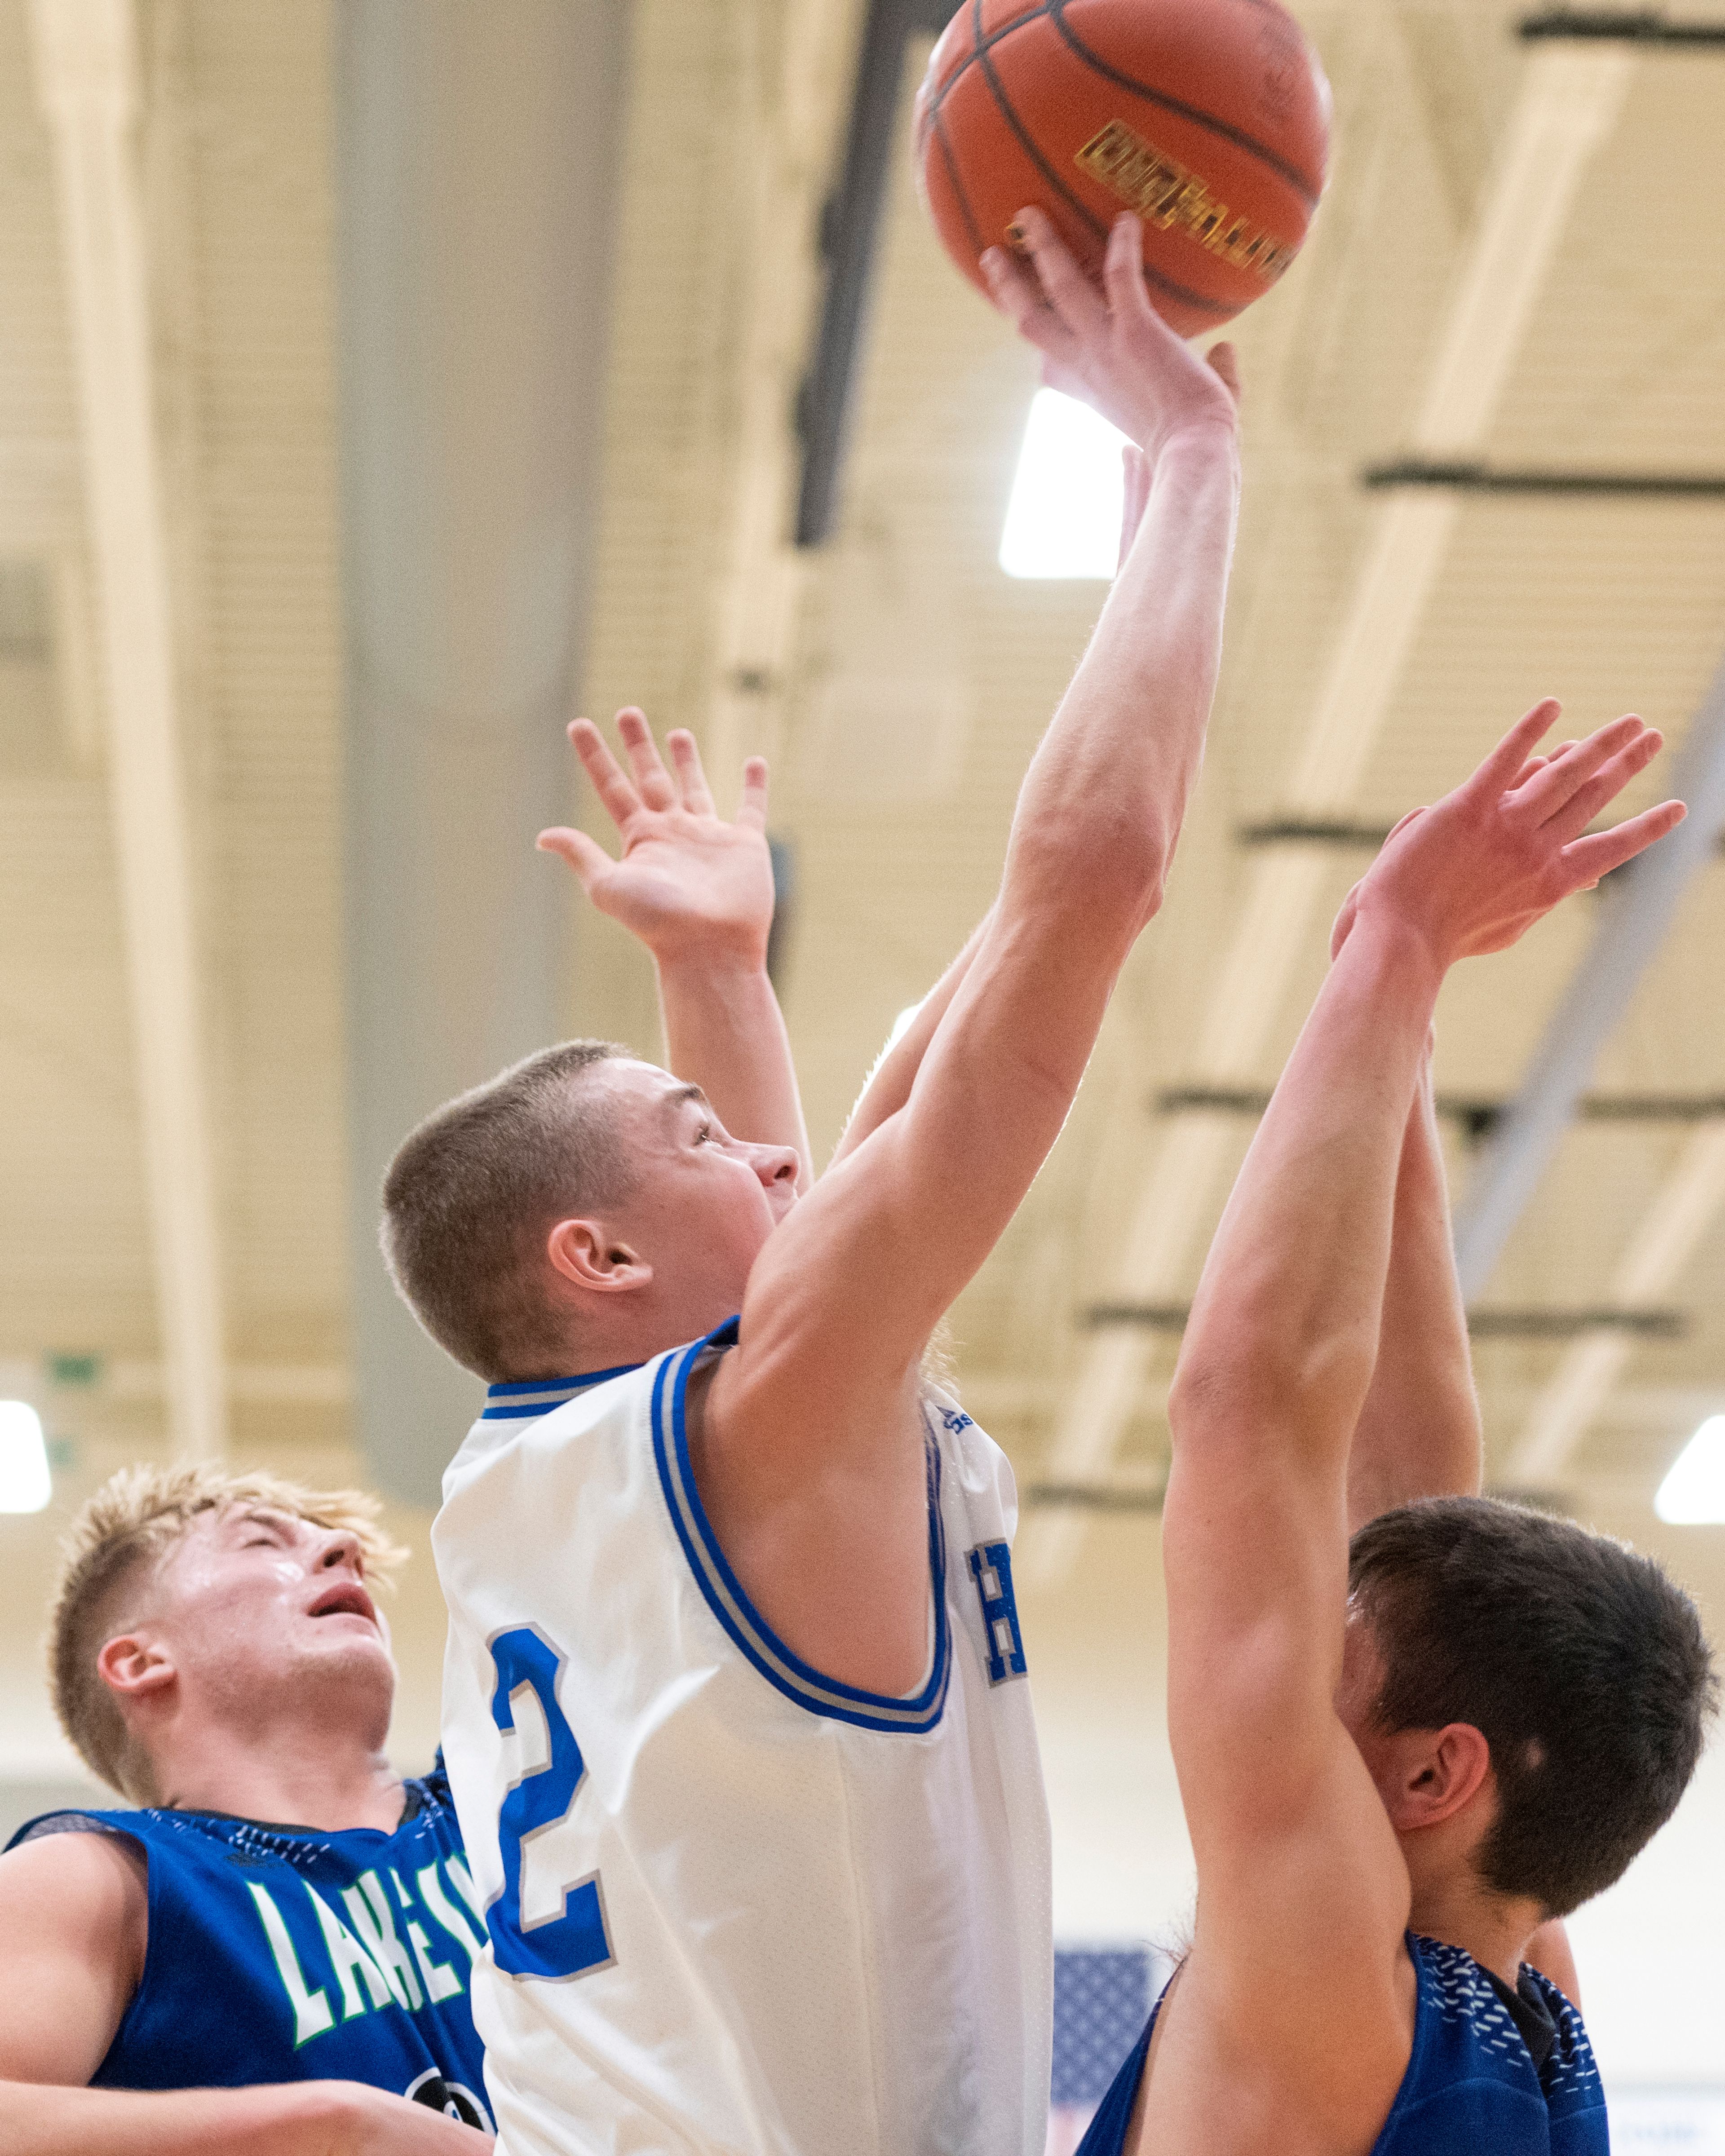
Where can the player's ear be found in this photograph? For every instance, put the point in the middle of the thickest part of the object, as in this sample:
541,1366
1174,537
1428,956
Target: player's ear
135,1666
586,1254
1445,1770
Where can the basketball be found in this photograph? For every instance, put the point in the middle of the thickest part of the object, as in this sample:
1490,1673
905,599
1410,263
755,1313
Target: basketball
1208,118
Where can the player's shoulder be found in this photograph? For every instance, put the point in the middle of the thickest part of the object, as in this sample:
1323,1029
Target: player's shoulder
538,1416
78,1875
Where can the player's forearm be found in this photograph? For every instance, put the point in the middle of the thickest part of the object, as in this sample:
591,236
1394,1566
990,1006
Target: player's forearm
1103,802
725,1033
895,1072
1419,1433
1285,1323
295,2119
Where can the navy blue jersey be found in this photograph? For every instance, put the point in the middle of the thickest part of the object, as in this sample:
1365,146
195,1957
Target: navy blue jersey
1510,2072
281,1954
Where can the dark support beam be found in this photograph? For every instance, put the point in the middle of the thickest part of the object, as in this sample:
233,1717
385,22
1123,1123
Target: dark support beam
1478,1117
1500,1324
1345,836
1464,477
1618,26
850,229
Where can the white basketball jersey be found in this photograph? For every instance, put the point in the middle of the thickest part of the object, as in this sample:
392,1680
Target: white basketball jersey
733,1906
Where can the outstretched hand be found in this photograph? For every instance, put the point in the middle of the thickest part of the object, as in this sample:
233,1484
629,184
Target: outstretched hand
1474,872
1111,348
689,884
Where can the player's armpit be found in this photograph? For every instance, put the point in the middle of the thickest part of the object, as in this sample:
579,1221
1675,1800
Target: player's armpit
74,1917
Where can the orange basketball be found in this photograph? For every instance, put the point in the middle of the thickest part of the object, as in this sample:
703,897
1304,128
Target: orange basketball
1209,118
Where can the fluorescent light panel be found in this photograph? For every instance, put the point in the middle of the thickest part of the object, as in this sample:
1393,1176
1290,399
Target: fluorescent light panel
1063,518
25,1485
1692,1494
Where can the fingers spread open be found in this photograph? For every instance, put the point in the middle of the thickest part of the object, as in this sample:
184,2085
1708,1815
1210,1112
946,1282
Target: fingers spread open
1547,792
619,797
586,856
751,809
652,779
1588,860
691,779
1585,802
1075,300
1517,745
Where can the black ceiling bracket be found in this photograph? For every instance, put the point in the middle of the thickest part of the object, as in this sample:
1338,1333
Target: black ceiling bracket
1644,26
849,233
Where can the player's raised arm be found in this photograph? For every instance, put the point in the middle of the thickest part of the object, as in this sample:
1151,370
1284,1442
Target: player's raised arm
847,1291
1295,1851
1419,1433
697,890
895,1071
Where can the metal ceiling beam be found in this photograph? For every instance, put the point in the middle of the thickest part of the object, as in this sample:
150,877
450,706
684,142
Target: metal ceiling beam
1635,912
479,154
1569,104
87,71
1470,476
849,232
796,67
1619,26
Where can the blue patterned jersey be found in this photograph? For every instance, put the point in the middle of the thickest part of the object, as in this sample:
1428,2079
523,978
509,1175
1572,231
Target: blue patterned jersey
1517,2079
282,1954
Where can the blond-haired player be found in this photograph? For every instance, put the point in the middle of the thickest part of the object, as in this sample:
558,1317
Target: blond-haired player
268,1945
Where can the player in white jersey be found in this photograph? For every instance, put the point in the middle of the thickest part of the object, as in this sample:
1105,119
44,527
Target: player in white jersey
734,1712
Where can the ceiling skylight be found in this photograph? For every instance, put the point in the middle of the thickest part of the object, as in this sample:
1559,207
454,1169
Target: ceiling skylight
1692,1494
1063,519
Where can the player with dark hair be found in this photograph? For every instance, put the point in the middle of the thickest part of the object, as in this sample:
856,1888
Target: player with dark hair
1400,1758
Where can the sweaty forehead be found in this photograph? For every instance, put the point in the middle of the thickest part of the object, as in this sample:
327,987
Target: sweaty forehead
643,1091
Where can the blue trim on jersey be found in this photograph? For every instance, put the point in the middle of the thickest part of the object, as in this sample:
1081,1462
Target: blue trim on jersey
786,1671
526,1400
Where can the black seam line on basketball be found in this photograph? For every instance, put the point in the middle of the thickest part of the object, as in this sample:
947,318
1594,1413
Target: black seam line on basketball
1026,141
1291,173
979,45
939,129
1207,300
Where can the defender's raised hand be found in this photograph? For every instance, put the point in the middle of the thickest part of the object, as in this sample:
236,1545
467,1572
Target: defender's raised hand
1111,348
689,884
698,892
1473,873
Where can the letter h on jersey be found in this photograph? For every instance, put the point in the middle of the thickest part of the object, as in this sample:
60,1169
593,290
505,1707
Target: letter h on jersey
990,1569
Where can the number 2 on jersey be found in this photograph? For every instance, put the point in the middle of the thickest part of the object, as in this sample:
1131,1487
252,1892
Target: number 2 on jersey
575,1942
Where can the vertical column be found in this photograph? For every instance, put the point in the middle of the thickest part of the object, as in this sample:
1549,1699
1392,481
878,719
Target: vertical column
87,76
477,182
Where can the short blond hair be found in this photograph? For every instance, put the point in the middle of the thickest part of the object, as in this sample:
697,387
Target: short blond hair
129,1527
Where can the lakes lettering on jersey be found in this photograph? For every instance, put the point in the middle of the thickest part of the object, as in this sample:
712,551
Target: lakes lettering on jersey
380,1954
